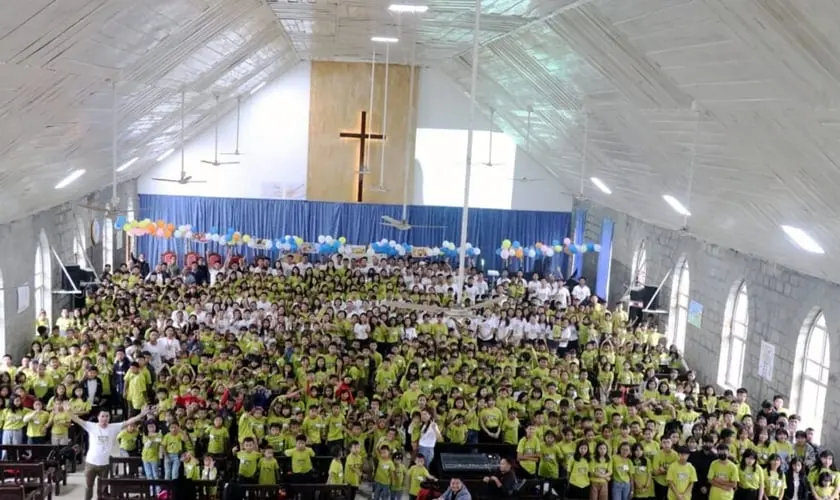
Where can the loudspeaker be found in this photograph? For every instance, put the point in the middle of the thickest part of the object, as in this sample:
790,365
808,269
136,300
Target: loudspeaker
78,275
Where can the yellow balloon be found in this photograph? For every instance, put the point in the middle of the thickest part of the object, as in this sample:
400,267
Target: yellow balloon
246,238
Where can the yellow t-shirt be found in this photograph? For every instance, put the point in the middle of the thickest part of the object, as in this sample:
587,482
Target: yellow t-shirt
416,475
578,472
528,447
682,476
643,480
622,469
336,473
724,471
598,469
301,460
663,460
774,484
268,471
751,478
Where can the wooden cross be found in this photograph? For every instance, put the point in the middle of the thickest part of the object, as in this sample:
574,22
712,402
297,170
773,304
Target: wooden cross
363,135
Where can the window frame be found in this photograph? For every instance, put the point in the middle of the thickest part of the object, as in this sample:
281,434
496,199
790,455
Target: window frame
678,310
805,383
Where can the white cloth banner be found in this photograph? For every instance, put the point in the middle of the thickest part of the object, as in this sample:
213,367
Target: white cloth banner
22,298
766,360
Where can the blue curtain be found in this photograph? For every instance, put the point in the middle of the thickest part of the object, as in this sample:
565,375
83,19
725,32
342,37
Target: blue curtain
359,223
580,224
604,259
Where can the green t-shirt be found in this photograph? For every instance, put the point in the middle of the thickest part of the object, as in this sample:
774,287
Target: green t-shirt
217,440
151,448
642,480
268,471
37,425
127,440
336,473
550,458
724,471
173,444
192,470
248,463
353,469
416,475
751,478
622,469
682,476
384,472
61,424
301,460
578,472
528,446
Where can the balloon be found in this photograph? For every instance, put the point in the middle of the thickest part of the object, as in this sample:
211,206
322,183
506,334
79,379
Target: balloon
328,240
392,243
567,241
532,253
401,251
189,234
246,238
505,253
516,244
321,238
371,251
476,251
170,226
506,244
519,252
342,240
549,252
178,233
236,236
554,243
499,251
558,248
538,245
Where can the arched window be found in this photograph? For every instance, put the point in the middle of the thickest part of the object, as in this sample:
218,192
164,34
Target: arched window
639,266
2,316
733,342
108,243
79,253
43,276
810,380
678,316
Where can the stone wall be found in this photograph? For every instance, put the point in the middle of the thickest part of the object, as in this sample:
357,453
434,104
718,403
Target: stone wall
781,303
18,244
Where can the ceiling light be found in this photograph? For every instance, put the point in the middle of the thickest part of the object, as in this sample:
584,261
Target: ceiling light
676,205
165,155
127,164
405,8
384,39
802,239
600,185
257,88
70,178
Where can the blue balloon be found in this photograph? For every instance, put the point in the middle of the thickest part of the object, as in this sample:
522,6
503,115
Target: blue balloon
554,243
516,244
214,230
498,251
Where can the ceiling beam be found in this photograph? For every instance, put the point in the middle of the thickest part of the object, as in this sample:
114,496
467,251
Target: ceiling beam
530,24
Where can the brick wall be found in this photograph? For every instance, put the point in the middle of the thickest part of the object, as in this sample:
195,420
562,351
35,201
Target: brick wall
18,244
780,302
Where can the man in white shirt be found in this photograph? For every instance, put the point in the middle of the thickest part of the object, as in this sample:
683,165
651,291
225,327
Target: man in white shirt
102,437
562,295
581,292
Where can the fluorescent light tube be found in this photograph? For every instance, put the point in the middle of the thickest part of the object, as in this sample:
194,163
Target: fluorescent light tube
676,205
384,39
405,8
802,239
128,164
165,155
600,185
257,88
70,178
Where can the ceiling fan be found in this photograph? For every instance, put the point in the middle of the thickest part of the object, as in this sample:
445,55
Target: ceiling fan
184,178
111,207
403,225
215,161
526,179
238,115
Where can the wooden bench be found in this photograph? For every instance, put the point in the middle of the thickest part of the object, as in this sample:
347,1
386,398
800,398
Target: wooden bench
9,492
132,467
147,489
271,492
31,476
50,455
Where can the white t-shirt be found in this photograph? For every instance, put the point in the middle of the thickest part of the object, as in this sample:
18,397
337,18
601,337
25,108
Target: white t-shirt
581,293
101,442
429,438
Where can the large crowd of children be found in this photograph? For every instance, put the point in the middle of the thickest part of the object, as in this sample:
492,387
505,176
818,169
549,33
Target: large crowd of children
358,359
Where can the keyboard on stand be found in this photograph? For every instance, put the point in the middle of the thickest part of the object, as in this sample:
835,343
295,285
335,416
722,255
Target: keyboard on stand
467,465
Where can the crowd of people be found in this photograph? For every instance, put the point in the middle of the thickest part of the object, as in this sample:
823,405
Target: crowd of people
372,362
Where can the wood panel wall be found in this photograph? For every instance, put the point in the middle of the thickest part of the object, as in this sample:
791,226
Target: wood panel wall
339,93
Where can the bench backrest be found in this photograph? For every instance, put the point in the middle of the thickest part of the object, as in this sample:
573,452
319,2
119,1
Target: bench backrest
23,472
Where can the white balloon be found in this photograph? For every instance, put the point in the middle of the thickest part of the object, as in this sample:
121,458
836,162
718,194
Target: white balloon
328,240
469,245
401,251
476,252
371,251
505,253
321,238
287,246
177,233
549,252
188,235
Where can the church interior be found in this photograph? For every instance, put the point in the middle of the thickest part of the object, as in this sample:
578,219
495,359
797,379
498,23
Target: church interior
473,183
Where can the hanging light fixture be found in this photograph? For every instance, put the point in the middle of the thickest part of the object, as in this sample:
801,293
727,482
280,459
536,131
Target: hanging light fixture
380,188
365,169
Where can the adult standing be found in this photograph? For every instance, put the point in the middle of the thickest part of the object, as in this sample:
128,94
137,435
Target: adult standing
102,437
429,436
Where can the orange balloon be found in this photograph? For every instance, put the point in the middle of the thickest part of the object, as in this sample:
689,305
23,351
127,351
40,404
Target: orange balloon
160,224
170,227
538,245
